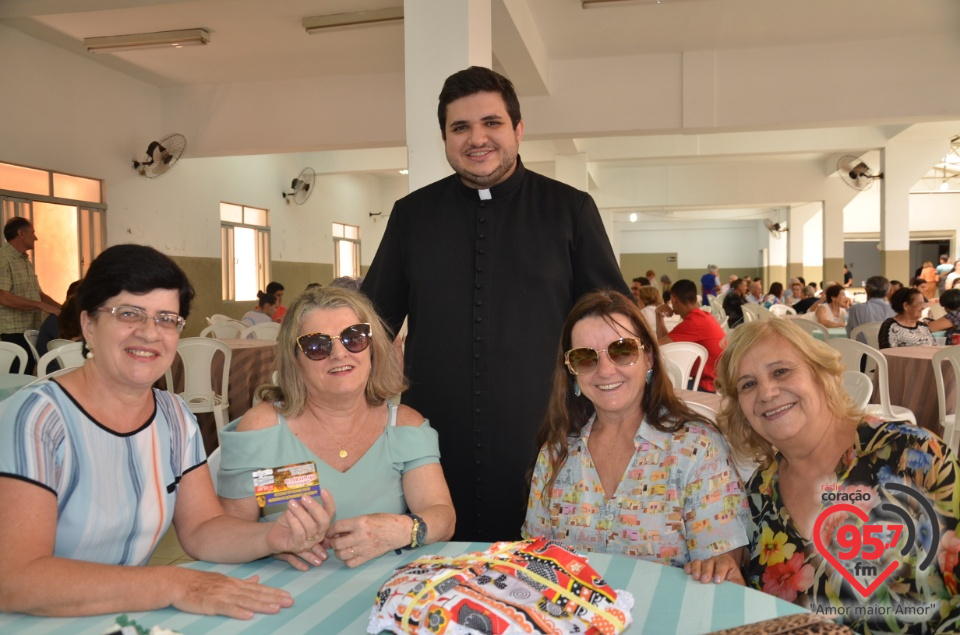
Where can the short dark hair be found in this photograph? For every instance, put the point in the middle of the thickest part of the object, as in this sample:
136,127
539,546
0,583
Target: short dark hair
471,81
916,282
685,291
950,299
273,287
13,227
833,292
902,297
135,269
944,258
877,287
643,282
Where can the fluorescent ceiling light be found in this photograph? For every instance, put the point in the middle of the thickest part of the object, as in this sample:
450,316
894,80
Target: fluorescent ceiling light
586,4
356,18
163,39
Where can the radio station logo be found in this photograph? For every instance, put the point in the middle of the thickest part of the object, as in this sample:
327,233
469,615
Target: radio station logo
863,548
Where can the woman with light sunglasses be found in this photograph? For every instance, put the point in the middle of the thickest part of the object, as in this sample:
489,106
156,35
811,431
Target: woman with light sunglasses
625,467
380,461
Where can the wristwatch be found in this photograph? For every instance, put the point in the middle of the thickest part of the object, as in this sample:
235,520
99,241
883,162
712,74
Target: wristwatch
418,535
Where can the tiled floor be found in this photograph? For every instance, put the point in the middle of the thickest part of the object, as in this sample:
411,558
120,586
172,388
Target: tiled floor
169,550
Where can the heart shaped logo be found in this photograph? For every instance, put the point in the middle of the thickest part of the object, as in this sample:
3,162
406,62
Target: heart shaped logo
854,538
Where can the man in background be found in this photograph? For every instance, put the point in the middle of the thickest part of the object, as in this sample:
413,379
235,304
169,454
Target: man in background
486,264
875,309
22,302
695,326
635,288
756,292
733,302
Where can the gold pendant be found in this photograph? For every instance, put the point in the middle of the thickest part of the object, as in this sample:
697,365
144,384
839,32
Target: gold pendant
343,453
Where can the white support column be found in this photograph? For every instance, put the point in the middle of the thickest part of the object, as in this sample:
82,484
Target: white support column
833,240
572,170
441,37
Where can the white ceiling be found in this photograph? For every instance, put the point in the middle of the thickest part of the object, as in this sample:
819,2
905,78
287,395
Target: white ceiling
263,40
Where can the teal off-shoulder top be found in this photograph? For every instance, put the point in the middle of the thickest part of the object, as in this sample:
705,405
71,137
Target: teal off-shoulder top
372,485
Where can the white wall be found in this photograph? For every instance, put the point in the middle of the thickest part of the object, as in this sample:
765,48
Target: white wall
729,243
72,115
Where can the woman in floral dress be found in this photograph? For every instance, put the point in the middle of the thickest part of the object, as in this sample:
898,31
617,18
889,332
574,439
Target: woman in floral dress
786,409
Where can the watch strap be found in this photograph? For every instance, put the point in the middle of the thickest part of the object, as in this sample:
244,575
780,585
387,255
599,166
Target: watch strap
418,534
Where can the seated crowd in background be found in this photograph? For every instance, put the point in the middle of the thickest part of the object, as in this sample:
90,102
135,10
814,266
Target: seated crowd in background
695,326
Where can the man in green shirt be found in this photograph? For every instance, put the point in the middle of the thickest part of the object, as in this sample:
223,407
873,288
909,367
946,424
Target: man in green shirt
22,303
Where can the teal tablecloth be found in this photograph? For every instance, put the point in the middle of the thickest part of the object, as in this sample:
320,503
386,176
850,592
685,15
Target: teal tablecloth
334,599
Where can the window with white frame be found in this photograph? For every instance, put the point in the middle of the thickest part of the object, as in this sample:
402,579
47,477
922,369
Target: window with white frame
346,250
68,214
245,250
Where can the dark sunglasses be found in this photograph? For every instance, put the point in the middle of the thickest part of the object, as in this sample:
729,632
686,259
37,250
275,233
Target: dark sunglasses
622,352
318,346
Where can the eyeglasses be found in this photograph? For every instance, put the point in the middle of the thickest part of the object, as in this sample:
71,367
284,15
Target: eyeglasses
622,352
318,346
135,315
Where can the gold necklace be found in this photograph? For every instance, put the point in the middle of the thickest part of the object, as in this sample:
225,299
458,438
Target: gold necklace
343,450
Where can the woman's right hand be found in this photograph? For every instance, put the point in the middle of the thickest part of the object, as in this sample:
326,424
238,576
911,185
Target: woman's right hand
297,535
208,593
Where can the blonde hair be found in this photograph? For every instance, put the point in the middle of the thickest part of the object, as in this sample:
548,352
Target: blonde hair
823,361
386,370
650,295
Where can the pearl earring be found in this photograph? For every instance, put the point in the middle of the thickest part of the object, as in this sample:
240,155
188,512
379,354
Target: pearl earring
89,354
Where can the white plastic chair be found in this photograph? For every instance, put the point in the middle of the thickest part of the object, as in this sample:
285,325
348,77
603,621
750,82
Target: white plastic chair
68,356
224,330
57,343
858,386
262,331
708,413
752,312
812,327
217,318
197,354
9,353
31,336
675,373
949,422
870,332
851,352
685,354
780,310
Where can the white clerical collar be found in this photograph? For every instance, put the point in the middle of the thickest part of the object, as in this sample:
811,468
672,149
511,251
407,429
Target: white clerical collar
485,195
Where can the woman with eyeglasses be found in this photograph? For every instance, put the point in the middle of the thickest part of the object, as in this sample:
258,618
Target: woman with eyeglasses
625,467
95,464
380,461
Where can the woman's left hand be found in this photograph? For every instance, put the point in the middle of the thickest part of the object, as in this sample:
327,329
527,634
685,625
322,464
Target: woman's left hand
722,568
303,526
358,540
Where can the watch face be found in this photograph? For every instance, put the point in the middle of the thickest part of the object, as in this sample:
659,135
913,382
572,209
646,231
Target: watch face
421,532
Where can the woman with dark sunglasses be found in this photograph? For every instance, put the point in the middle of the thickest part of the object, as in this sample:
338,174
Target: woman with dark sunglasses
625,467
380,461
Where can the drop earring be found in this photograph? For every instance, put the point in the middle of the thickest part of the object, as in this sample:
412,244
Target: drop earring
576,388
89,354
649,375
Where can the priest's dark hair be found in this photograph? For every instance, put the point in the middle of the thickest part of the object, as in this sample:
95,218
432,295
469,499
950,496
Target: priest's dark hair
471,81
136,269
